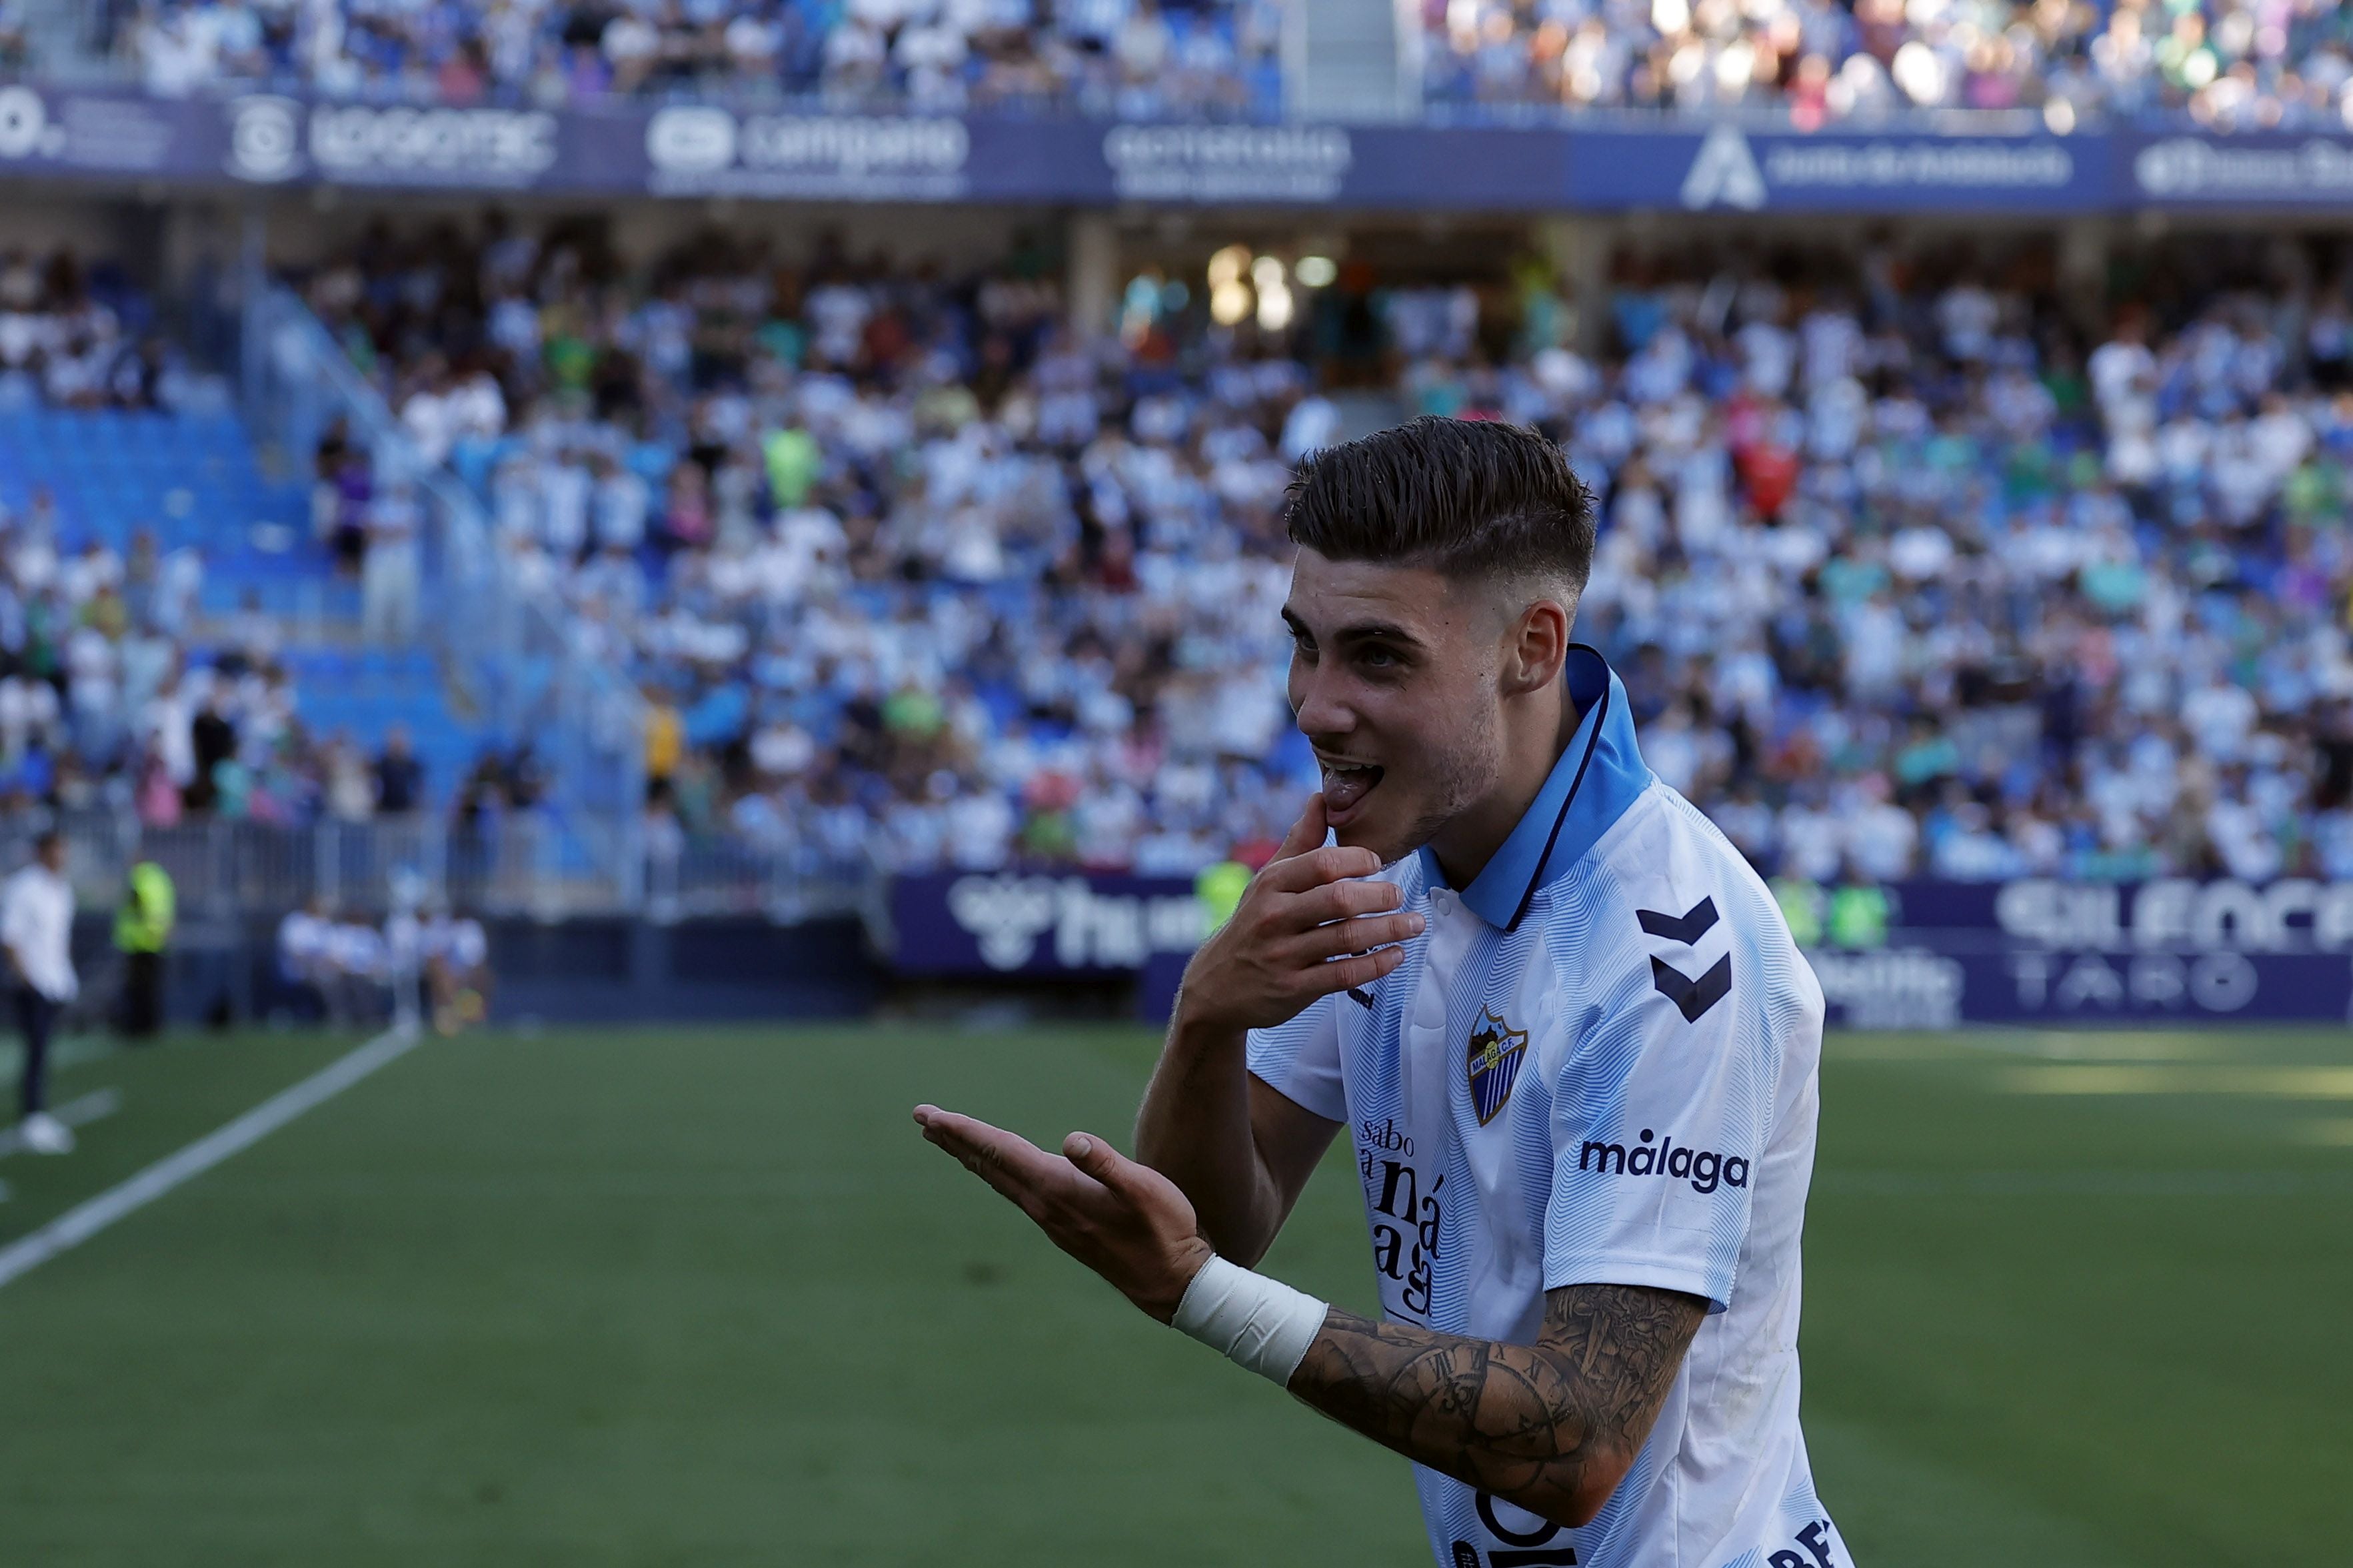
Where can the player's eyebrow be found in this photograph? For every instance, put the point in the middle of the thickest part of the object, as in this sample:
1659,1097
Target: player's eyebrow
1360,631
1376,631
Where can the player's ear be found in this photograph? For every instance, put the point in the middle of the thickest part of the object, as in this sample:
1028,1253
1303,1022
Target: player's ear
1535,647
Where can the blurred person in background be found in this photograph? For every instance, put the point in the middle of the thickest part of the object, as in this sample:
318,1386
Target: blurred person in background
357,965
400,776
212,740
456,969
36,912
388,575
304,963
143,926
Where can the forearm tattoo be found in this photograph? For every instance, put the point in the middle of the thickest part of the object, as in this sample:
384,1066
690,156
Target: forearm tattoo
1529,1423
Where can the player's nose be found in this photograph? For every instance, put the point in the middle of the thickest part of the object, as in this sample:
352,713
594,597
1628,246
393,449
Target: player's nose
1318,708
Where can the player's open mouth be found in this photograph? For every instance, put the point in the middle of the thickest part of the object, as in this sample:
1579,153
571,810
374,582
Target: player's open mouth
1345,784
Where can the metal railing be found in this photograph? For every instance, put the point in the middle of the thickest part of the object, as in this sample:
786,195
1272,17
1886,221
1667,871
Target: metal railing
515,864
515,656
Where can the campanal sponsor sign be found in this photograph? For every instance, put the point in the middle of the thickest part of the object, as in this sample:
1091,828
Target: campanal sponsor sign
703,148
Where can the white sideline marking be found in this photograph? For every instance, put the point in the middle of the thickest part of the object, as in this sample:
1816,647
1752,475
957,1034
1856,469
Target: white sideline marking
78,1224
79,1113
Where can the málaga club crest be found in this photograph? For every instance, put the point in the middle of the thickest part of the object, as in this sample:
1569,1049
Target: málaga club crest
1496,1051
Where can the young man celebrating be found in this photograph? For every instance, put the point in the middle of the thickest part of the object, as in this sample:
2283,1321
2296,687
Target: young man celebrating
1566,1029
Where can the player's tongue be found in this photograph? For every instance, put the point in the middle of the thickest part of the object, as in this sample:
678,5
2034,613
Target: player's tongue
1345,784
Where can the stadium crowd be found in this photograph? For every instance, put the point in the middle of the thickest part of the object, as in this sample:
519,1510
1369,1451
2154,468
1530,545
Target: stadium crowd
1905,574
72,339
2231,63
1130,57
112,692
110,699
2228,64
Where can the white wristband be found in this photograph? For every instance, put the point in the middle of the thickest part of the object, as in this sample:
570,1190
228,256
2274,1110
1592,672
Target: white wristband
1253,1321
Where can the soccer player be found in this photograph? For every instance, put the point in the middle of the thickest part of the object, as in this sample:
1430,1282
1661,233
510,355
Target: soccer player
1566,1030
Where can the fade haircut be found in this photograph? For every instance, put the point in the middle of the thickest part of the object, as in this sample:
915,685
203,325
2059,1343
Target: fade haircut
1465,498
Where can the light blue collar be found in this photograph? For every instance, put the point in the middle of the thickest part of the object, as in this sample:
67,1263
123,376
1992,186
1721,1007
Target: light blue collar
1595,778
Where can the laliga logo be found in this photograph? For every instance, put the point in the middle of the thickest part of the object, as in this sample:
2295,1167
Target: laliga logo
1007,913
1724,172
265,138
25,128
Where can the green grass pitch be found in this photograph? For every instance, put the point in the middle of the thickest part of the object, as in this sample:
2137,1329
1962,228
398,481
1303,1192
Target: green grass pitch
702,1297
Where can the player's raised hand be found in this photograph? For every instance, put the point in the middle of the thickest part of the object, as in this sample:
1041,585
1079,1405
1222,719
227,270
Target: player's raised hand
1127,1222
1303,930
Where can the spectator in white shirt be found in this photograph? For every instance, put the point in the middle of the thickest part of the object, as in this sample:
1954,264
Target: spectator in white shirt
304,961
37,910
390,580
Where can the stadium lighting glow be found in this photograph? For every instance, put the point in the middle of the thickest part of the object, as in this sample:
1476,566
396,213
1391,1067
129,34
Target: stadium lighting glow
1229,301
1139,303
1316,271
1225,267
1735,66
1920,73
1669,16
1267,273
1274,308
2060,116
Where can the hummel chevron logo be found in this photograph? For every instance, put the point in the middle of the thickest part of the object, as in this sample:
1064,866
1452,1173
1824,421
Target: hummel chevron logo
1693,996
1686,928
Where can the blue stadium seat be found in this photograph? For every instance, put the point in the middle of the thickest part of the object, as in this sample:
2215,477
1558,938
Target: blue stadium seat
194,481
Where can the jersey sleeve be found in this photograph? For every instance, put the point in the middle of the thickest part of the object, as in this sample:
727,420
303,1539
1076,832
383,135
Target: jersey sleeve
1300,1060
1660,1118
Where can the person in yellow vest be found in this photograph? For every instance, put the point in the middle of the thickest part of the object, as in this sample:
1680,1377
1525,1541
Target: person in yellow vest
1860,913
142,925
1219,887
1802,901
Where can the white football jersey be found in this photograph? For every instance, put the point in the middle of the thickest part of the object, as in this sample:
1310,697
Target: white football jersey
1596,1066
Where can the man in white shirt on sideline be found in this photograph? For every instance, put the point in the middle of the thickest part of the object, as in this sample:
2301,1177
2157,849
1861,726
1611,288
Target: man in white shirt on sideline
36,912
1566,1030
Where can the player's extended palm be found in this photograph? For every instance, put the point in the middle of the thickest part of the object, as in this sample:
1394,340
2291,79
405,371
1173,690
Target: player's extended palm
1127,1222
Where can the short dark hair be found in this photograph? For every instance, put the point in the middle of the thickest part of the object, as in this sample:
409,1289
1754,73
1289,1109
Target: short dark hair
1466,498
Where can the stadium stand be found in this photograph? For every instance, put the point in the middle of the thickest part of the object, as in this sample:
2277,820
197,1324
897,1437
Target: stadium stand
2229,64
1910,573
163,603
1128,56
2226,64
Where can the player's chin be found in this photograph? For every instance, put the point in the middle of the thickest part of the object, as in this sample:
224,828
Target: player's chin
1378,824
